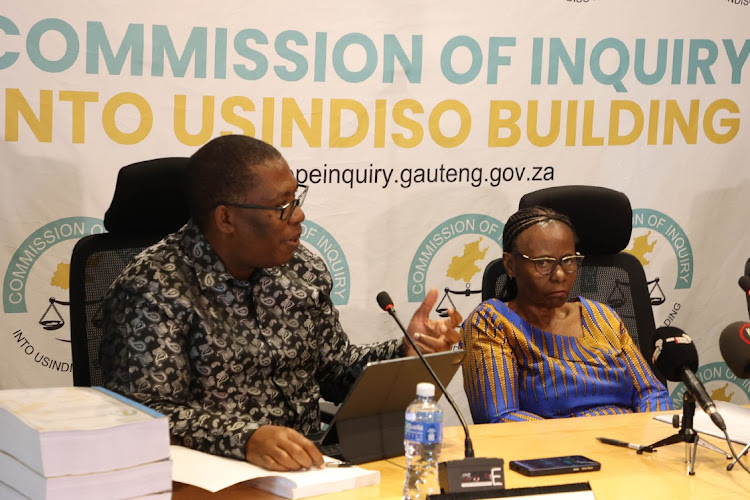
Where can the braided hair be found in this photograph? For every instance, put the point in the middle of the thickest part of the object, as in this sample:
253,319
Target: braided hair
517,224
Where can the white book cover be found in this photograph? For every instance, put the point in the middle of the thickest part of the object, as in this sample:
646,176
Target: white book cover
214,473
141,481
76,430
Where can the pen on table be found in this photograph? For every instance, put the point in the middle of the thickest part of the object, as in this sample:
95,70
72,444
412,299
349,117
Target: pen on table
339,464
615,442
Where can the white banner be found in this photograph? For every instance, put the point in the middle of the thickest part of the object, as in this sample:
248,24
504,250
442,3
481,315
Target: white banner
418,126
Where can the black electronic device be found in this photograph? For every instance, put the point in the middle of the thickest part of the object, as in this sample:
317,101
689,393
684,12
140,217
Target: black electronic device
554,465
475,474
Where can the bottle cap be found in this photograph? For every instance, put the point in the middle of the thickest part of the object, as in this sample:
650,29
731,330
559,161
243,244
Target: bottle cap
425,390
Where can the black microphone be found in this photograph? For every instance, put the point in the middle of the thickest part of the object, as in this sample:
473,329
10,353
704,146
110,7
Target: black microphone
734,343
453,473
386,304
676,358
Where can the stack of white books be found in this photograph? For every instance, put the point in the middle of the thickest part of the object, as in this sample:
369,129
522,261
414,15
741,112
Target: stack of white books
81,443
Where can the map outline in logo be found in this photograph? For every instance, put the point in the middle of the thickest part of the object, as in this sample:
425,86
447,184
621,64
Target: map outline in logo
460,225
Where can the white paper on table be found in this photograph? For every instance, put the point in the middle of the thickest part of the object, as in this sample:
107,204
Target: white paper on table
213,473
736,417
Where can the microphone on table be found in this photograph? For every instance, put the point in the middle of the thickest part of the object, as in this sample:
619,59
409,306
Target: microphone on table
676,358
454,475
386,304
734,343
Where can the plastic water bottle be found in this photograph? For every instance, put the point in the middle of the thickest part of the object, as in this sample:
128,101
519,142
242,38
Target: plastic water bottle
423,438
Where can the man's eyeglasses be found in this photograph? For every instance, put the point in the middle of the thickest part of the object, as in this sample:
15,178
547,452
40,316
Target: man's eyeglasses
285,211
547,265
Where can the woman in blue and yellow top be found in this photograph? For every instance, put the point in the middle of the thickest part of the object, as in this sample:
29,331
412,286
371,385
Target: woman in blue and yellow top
535,354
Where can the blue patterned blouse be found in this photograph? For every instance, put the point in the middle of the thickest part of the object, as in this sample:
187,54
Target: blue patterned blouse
513,371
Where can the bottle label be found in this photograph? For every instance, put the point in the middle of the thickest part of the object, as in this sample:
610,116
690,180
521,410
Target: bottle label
423,432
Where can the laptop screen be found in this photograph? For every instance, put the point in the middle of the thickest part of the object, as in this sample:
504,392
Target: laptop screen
390,385
369,424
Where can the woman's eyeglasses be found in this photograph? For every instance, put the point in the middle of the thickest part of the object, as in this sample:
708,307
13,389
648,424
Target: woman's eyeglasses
547,265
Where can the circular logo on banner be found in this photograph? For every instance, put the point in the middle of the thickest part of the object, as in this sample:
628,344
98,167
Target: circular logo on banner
663,249
324,244
452,258
35,292
721,384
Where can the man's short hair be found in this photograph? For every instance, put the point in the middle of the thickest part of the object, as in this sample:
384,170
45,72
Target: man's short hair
219,172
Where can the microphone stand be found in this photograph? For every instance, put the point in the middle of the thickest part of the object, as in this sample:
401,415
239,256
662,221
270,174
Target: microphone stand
468,446
742,454
462,474
686,435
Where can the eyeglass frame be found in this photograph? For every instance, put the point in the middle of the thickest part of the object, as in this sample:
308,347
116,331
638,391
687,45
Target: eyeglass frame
296,202
558,262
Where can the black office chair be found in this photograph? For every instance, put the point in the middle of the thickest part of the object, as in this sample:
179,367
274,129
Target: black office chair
603,221
148,204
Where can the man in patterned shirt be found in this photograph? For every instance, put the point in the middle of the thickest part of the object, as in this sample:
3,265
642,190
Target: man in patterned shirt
227,325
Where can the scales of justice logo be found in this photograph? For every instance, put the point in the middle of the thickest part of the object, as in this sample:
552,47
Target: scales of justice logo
664,250
35,291
452,257
654,233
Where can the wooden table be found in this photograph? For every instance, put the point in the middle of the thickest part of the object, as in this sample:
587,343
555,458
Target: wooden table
624,473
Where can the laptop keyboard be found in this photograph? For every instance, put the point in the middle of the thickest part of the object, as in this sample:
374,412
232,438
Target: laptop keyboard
315,437
331,450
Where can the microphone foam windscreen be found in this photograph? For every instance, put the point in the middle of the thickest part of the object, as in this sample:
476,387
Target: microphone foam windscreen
673,349
744,283
384,300
734,344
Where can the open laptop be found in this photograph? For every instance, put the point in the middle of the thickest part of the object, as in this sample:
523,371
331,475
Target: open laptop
369,424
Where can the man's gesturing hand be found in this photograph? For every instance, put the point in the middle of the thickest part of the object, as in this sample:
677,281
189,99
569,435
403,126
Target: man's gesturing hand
429,334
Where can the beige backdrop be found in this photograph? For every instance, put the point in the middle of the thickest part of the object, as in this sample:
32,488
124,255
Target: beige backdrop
417,125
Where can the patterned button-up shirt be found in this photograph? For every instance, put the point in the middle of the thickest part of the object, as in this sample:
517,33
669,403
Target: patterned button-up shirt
222,356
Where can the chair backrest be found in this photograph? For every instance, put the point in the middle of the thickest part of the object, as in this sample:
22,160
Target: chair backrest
603,221
148,204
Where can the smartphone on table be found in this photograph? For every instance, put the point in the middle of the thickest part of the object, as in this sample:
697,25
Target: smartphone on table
554,465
